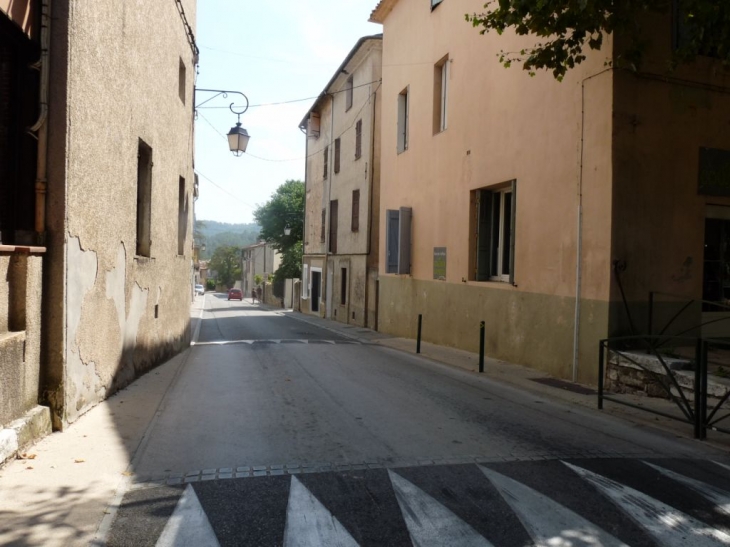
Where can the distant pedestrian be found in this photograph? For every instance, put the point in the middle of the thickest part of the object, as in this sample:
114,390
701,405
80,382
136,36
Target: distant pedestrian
253,296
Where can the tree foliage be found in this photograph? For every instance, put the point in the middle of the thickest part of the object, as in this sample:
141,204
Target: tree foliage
566,29
226,261
284,209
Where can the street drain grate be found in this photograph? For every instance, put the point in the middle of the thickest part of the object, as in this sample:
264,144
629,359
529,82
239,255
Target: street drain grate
562,384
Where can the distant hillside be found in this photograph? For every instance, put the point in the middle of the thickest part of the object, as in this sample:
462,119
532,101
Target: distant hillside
218,234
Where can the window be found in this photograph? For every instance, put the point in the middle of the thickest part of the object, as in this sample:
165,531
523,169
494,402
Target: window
495,234
435,3
333,226
343,286
398,241
181,81
348,94
144,198
337,155
403,121
355,210
440,94
324,222
182,216
18,104
326,161
716,266
358,139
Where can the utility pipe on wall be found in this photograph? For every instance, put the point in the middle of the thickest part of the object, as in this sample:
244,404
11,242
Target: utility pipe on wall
40,129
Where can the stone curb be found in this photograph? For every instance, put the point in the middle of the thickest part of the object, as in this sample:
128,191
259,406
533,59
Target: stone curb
24,432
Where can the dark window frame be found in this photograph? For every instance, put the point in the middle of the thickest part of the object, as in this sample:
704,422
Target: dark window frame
338,146
355,222
358,139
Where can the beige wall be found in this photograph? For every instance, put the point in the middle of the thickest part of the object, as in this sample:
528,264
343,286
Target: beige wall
502,125
20,333
356,249
115,69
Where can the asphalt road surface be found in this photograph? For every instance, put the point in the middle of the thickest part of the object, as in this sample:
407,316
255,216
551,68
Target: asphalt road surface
277,432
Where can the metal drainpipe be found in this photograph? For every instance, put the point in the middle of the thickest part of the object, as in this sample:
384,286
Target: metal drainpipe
327,205
40,129
371,173
579,242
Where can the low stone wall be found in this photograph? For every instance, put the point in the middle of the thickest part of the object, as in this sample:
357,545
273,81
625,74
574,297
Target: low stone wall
638,373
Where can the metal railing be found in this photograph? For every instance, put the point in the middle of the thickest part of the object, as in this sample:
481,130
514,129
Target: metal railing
693,407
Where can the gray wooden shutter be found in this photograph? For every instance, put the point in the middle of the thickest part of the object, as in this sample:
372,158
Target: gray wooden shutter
404,241
391,238
484,234
512,234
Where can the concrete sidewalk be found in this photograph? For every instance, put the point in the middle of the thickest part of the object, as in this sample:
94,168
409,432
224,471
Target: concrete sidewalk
61,491
527,379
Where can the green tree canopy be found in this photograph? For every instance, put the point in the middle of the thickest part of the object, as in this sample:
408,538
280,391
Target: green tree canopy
226,261
565,28
284,209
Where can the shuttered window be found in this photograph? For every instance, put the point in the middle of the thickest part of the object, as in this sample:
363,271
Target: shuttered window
348,94
398,241
333,226
355,210
326,162
324,221
495,237
358,139
337,155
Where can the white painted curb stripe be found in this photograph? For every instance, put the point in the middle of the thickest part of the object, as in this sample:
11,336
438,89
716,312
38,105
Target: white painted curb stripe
719,497
549,523
310,524
189,525
429,522
671,527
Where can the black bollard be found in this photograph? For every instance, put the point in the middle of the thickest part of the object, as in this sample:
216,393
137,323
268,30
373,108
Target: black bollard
418,340
481,346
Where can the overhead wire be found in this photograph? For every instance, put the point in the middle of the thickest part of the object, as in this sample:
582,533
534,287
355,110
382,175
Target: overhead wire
223,189
296,100
355,118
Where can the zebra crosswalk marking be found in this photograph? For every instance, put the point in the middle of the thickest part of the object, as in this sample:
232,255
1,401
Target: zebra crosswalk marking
671,527
189,525
549,523
310,524
716,495
430,523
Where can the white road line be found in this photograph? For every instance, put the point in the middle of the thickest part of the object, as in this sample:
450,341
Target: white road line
723,465
310,524
671,527
430,523
189,525
549,523
718,496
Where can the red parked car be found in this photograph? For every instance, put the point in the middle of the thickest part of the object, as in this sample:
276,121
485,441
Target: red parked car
235,294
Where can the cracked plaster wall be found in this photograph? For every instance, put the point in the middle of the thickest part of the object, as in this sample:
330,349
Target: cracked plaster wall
109,296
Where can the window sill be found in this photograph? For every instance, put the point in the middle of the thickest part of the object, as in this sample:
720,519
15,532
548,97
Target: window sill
143,259
21,249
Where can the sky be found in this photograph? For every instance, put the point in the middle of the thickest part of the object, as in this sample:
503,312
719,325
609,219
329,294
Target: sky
273,52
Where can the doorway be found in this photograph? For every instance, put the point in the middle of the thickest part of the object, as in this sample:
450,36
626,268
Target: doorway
316,288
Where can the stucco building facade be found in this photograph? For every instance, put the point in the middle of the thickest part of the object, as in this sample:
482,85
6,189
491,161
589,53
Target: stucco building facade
258,259
341,230
518,200
104,241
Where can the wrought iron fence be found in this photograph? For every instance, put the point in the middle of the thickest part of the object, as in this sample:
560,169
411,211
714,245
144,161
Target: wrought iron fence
691,400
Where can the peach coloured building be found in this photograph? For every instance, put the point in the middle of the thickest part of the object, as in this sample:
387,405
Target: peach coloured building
530,204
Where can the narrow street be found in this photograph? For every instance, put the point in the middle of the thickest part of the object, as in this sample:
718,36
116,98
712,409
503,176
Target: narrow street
278,432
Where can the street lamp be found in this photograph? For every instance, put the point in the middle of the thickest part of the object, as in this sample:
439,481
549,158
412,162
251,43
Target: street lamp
287,230
237,137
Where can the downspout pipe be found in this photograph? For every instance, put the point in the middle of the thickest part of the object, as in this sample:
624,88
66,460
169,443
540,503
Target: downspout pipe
579,214
40,128
371,174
